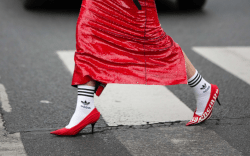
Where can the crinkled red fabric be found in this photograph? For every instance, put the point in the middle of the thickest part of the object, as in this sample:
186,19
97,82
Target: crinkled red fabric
117,43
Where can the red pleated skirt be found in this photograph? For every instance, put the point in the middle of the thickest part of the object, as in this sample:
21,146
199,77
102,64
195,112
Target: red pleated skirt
118,43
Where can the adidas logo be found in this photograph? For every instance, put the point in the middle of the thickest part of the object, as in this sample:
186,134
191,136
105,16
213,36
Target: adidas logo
203,86
85,104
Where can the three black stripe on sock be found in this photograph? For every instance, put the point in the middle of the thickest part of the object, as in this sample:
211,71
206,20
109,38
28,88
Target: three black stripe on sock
195,81
86,92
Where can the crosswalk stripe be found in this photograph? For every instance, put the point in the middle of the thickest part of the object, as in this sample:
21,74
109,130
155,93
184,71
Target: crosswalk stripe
123,104
10,144
235,60
4,99
119,105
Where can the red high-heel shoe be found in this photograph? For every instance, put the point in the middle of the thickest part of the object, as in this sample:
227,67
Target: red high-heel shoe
209,108
92,118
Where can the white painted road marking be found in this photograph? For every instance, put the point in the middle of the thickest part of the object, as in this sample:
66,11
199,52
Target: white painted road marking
10,144
67,56
122,104
4,99
235,60
126,104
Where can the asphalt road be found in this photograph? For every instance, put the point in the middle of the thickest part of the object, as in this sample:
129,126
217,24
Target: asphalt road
31,72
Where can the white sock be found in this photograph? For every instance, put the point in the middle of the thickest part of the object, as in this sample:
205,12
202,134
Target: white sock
202,90
85,104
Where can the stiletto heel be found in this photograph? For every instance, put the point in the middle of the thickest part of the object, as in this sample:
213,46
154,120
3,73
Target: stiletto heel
218,101
209,107
93,125
92,118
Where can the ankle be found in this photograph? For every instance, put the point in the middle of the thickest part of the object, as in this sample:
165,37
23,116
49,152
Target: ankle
90,83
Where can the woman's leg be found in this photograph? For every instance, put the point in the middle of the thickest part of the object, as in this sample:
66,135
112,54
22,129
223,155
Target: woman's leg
189,67
85,103
85,112
199,85
205,93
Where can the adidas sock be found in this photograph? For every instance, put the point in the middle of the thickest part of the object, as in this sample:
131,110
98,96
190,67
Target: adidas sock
85,104
202,90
